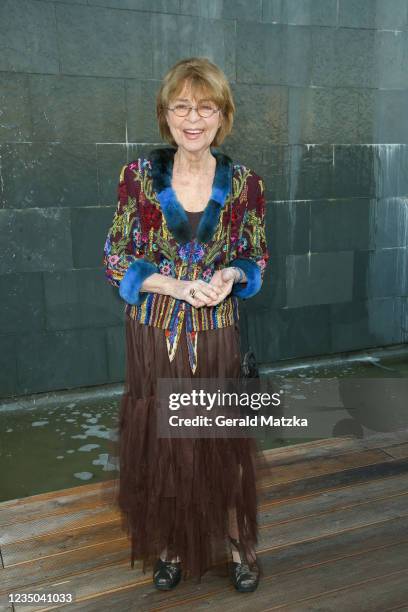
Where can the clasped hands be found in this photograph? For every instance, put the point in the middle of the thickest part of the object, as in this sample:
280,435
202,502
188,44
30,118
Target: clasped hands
212,293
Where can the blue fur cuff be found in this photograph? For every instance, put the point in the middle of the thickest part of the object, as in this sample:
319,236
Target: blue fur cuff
129,288
253,274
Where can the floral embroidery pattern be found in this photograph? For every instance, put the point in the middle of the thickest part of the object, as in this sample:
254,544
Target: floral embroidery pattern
166,267
139,231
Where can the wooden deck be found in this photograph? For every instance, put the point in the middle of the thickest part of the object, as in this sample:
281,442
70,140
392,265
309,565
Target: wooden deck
334,536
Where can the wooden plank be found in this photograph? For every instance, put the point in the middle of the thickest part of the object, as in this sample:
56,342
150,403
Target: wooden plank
315,580
296,503
287,471
323,451
60,542
341,444
322,525
352,496
341,478
55,558
290,573
388,593
272,537
82,497
66,522
398,450
16,545
83,489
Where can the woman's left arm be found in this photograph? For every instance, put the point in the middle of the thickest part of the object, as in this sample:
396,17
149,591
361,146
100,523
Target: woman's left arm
254,255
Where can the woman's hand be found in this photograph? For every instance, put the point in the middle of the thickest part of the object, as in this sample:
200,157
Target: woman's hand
223,280
205,293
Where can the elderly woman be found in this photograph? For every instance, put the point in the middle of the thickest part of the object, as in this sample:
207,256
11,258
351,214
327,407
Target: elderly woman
187,240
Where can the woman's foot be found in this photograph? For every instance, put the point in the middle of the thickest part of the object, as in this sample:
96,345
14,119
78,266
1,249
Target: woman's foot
166,574
244,572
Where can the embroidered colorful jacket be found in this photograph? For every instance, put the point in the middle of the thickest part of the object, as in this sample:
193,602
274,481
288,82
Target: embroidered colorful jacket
151,233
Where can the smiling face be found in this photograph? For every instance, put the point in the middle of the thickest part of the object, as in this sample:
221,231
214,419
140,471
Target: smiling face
193,132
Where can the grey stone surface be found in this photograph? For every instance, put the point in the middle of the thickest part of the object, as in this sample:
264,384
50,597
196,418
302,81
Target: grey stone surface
156,6
35,240
89,227
22,307
116,349
141,110
80,299
15,117
358,67
78,109
353,172
301,12
8,366
381,273
373,14
47,175
262,117
289,333
288,225
213,9
388,119
390,223
173,35
61,360
103,41
110,160
29,37
342,225
260,40
319,278
367,323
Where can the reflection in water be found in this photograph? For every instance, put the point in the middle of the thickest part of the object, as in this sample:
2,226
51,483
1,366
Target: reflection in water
51,448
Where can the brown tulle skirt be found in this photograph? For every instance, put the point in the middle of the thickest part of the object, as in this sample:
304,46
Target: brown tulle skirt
177,493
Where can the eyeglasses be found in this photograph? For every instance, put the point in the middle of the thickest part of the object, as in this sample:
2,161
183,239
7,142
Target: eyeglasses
204,110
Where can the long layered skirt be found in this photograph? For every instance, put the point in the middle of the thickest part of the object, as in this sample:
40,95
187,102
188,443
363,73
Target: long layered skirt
178,493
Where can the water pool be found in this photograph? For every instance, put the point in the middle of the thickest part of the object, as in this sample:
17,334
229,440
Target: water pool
70,442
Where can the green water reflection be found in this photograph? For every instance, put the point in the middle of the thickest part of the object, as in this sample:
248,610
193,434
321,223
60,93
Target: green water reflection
46,449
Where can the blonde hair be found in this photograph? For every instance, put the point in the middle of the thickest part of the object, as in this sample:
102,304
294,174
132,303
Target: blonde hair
207,81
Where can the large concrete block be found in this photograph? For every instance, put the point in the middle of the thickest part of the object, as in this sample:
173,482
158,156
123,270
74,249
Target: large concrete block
171,35
288,225
90,227
381,273
35,240
80,299
29,36
341,225
319,278
261,118
15,107
373,14
48,174
104,42
300,12
8,365
61,360
78,109
22,307
116,351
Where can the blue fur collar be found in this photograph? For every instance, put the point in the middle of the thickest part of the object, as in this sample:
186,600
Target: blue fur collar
176,218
